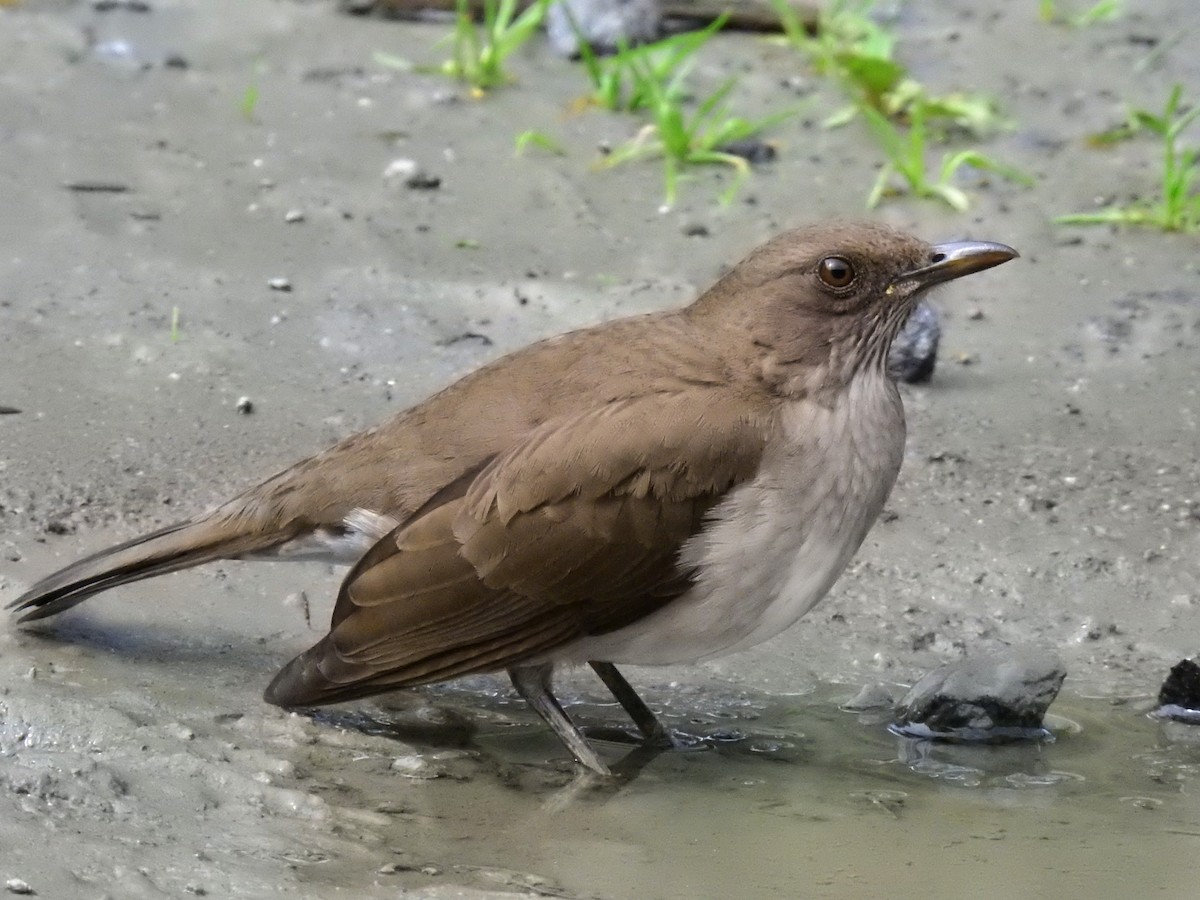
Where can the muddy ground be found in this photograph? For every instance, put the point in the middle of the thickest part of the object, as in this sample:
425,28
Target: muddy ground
1050,495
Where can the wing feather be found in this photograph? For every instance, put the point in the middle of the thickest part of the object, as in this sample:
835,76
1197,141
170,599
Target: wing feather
575,531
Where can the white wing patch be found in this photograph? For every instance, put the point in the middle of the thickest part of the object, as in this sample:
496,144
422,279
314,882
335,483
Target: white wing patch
360,530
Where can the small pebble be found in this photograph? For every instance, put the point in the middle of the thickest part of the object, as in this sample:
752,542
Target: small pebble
294,215
752,150
408,172
17,886
244,405
279,284
400,169
422,181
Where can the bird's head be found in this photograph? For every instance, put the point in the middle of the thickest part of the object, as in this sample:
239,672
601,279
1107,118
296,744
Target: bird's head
823,303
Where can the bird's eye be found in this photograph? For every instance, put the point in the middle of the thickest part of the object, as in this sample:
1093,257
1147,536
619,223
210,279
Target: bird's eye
836,271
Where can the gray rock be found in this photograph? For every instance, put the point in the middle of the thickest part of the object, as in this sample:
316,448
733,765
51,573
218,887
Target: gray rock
604,24
914,352
872,696
994,697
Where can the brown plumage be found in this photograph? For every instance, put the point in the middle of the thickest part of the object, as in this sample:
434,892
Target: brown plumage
662,487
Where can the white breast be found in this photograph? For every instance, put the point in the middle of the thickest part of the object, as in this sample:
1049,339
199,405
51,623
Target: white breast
777,543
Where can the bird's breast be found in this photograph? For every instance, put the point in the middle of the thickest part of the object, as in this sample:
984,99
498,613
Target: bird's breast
775,545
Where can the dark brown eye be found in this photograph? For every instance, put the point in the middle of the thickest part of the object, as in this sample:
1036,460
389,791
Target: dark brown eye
836,271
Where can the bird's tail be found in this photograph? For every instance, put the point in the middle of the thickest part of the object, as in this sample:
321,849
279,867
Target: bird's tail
179,546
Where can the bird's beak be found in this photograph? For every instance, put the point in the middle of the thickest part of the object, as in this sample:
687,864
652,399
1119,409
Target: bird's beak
957,258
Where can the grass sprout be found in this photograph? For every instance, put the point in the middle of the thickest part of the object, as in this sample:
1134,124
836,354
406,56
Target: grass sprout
634,78
683,140
251,96
906,153
480,52
844,31
1103,11
1177,207
859,54
535,138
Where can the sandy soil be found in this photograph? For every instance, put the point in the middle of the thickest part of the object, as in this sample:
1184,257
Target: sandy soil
1050,496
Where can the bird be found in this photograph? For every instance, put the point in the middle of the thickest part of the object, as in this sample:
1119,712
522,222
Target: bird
658,489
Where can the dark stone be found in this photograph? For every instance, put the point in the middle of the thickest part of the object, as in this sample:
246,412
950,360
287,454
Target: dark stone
994,697
422,181
914,352
753,150
1179,696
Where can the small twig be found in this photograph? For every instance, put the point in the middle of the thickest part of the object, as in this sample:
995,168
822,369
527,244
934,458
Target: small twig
97,187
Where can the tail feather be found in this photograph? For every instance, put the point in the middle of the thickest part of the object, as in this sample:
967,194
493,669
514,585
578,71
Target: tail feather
176,547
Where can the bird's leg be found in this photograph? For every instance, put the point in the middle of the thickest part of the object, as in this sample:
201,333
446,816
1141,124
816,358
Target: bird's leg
533,683
643,717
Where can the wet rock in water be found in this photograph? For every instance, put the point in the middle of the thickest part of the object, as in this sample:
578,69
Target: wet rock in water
991,698
914,352
872,696
1179,696
604,24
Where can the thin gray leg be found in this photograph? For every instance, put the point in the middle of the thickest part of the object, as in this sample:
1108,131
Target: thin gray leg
533,683
643,717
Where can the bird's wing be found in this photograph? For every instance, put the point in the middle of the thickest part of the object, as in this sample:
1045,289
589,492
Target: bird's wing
575,531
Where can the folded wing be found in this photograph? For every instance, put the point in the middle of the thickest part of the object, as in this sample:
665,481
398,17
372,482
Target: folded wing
575,531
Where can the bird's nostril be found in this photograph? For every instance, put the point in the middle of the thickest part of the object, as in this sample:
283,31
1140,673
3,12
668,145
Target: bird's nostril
939,257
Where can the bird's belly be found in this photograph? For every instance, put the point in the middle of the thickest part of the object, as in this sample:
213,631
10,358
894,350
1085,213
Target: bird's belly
751,587
775,545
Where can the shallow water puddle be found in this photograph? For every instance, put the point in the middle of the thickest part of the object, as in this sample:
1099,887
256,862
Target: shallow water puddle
157,760
139,731
795,797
